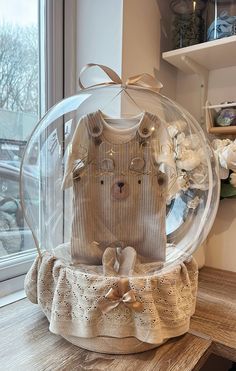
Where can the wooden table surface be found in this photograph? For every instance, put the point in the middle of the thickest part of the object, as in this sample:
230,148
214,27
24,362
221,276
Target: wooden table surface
26,343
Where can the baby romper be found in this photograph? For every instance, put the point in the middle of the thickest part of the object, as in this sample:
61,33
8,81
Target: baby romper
119,192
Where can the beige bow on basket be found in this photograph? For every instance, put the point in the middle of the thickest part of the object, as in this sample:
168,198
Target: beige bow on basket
121,294
143,80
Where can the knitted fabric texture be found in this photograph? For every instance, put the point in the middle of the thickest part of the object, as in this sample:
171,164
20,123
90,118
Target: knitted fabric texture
70,297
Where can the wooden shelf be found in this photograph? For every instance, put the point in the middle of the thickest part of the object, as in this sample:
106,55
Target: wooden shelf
210,124
211,55
217,130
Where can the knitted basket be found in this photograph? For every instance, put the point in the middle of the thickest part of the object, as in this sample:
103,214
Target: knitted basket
75,301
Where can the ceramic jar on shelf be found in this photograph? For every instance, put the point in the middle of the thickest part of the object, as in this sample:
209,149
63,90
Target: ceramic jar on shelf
221,19
188,26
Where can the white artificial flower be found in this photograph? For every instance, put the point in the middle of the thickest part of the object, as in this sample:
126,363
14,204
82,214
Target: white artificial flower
227,157
203,156
180,139
199,178
223,173
188,159
233,179
219,144
176,127
189,155
193,204
180,125
183,181
173,131
191,142
225,150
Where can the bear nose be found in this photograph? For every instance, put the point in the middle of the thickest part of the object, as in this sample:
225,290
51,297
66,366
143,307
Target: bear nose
120,184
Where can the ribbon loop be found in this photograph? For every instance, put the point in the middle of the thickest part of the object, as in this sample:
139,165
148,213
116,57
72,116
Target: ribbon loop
115,79
143,80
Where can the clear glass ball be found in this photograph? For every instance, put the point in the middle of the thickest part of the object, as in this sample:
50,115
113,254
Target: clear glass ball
118,166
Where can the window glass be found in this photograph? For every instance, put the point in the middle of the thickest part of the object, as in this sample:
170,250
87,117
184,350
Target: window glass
19,107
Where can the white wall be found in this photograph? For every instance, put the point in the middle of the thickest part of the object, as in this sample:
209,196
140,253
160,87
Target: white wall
220,249
141,37
99,33
144,28
222,87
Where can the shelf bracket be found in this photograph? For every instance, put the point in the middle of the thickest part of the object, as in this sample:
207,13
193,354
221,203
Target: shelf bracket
203,74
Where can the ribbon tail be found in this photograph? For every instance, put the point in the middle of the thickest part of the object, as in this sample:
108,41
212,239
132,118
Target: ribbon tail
146,81
137,306
108,306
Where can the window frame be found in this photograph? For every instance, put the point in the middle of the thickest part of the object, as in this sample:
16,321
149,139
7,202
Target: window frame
57,76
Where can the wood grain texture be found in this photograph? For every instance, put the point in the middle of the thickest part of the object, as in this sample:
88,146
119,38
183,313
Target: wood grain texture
26,343
215,313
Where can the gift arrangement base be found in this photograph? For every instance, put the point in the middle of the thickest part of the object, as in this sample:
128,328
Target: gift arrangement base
73,300
111,345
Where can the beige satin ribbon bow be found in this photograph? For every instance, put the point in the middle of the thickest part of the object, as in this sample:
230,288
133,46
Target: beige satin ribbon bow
122,294
143,80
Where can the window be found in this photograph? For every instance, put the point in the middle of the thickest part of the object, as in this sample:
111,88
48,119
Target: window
33,35
19,113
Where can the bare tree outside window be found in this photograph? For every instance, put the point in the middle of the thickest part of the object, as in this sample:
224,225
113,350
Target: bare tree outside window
19,86
19,68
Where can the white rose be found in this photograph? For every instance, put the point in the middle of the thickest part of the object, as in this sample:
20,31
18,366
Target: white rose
199,178
225,150
227,157
220,144
191,142
180,139
233,179
180,125
189,160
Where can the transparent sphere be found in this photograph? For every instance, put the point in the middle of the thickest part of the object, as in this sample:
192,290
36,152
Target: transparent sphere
113,167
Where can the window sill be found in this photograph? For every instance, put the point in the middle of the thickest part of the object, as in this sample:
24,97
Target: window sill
12,290
12,298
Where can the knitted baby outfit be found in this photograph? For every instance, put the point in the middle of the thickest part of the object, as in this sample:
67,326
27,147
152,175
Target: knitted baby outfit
119,192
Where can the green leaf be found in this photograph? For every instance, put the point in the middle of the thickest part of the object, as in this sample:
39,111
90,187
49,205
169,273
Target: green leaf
227,190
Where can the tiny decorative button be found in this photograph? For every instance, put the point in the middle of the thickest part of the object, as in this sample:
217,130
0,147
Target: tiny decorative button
107,164
137,164
96,131
145,131
97,141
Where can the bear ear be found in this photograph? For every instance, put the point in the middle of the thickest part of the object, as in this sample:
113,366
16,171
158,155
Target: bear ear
107,165
137,164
